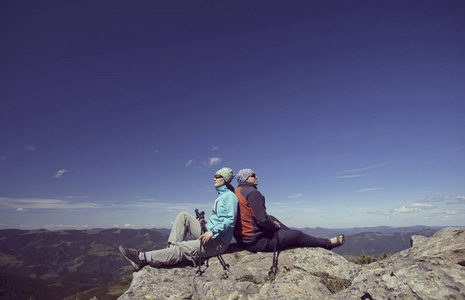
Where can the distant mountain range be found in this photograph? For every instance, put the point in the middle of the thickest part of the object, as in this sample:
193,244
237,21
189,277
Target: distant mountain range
329,233
373,241
375,244
77,260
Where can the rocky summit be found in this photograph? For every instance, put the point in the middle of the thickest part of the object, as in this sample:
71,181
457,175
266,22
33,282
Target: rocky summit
433,268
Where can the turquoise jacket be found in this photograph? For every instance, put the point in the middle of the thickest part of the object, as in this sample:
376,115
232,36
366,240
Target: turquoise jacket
224,215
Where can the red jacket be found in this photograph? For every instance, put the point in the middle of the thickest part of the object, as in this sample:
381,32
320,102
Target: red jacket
252,221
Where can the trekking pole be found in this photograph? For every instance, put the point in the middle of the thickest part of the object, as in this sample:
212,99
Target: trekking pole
220,258
274,267
201,216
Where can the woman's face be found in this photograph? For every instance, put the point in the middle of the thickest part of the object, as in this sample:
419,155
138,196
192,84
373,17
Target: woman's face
218,181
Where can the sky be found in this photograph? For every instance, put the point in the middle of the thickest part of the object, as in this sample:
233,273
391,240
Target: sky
118,113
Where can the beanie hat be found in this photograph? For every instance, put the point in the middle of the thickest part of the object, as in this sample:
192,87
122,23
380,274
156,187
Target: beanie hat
226,173
243,174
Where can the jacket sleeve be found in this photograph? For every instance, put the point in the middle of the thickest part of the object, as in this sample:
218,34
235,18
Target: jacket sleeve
257,203
226,212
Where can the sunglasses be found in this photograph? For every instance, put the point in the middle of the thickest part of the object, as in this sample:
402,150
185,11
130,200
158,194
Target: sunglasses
218,176
253,175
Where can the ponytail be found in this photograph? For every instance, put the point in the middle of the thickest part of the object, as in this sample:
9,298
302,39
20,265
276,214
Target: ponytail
230,187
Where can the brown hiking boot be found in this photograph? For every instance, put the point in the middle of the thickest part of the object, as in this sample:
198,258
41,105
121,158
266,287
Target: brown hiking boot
133,257
337,241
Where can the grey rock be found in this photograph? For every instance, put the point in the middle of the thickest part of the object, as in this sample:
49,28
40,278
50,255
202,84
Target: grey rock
432,268
416,240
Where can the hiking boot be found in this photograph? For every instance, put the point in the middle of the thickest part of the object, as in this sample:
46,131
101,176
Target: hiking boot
133,257
337,241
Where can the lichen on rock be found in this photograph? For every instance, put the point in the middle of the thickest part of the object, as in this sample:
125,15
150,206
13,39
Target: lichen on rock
432,268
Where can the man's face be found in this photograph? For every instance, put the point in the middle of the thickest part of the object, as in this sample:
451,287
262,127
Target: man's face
252,179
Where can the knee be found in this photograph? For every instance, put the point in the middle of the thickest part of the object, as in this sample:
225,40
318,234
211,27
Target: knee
182,215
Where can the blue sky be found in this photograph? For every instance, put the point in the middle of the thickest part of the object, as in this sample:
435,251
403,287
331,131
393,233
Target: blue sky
117,114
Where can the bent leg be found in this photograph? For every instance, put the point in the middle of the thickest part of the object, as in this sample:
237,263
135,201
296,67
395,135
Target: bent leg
183,225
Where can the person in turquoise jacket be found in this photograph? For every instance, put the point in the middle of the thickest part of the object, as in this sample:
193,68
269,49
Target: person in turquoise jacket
220,230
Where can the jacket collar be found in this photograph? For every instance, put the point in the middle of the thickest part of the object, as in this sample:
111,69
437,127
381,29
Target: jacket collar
222,189
245,183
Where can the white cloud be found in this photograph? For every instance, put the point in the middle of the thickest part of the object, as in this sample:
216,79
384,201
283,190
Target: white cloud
159,206
448,199
30,147
455,200
350,176
214,161
295,196
50,226
370,189
127,225
350,136
211,161
368,168
215,148
24,204
450,213
60,173
413,208
416,207
455,150
380,212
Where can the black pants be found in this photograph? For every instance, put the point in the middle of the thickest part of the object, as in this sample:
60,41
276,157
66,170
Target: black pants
287,238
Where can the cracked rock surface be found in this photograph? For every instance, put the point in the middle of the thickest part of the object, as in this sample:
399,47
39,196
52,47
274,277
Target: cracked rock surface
433,268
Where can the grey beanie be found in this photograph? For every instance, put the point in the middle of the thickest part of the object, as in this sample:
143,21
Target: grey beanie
243,174
226,173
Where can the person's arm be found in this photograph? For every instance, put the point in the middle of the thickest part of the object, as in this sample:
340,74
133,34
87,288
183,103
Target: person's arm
257,203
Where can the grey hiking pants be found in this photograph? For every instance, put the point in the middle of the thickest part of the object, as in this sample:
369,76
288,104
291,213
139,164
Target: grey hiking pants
182,249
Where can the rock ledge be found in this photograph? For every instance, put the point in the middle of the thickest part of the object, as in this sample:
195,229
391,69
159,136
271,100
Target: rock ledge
432,268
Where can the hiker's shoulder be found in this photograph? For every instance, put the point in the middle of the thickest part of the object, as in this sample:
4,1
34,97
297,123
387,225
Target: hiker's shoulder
251,192
247,186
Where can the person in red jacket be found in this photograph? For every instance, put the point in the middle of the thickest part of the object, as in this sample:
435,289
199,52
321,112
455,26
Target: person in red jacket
256,231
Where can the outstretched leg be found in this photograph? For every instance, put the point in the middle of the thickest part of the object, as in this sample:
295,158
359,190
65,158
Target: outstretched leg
187,250
296,238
